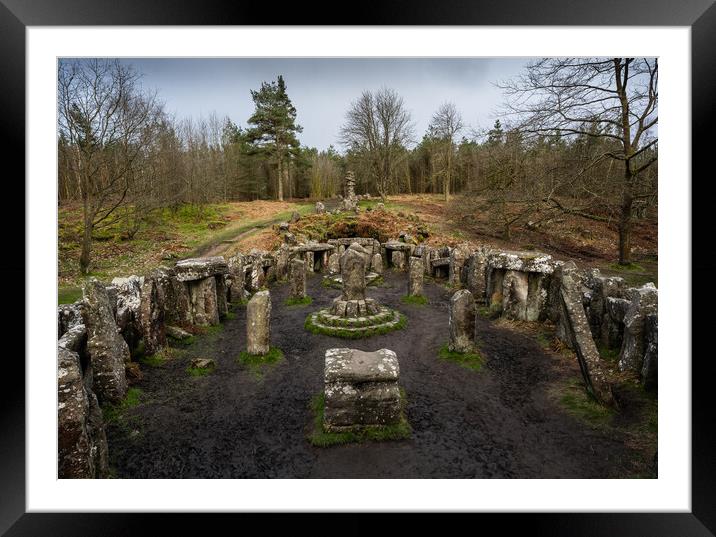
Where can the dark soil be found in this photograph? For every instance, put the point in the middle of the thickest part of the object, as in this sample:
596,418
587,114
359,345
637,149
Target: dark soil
237,422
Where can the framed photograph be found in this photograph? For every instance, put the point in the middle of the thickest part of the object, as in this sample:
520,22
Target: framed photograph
413,261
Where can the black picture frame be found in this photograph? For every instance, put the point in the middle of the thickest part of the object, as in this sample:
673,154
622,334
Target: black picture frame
700,15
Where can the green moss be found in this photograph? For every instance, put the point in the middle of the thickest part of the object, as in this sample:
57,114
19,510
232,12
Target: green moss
257,363
68,295
608,354
200,371
416,300
631,267
353,334
113,413
319,437
230,316
581,405
305,301
468,360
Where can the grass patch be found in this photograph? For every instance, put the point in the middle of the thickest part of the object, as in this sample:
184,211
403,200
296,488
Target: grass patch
416,300
468,360
230,316
200,371
483,311
68,295
210,330
630,267
581,405
257,363
611,355
344,333
158,358
319,437
305,301
112,413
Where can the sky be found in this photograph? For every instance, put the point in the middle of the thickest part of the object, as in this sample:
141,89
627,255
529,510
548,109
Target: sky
322,89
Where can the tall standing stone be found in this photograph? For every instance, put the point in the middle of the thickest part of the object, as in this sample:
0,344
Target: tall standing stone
415,277
353,273
151,316
107,350
462,321
298,279
458,258
644,302
258,321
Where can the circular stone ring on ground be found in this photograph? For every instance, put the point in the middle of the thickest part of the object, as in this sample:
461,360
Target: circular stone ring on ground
324,322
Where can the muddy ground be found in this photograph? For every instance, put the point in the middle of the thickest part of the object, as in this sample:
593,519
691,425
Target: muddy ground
500,422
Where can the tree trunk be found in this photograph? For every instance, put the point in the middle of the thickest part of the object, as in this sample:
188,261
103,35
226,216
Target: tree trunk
448,172
286,180
86,238
279,193
625,222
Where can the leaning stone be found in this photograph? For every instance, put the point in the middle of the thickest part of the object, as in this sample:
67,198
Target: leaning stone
361,389
415,277
320,208
107,351
576,326
81,439
298,279
462,321
258,323
644,301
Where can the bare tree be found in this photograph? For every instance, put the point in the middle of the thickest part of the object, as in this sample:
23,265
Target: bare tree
106,119
445,125
611,99
378,126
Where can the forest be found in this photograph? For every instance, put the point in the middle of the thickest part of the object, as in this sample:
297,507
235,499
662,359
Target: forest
575,136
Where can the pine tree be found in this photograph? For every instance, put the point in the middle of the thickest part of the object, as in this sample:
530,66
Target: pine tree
274,127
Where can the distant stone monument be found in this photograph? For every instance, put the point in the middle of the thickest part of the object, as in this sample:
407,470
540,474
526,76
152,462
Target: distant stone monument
350,201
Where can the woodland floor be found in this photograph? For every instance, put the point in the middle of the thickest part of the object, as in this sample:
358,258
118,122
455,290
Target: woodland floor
523,415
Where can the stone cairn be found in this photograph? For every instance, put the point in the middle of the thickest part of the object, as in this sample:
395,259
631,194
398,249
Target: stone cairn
361,389
258,324
350,201
352,311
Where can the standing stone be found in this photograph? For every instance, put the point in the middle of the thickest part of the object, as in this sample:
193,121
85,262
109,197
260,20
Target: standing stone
334,263
476,281
81,439
298,279
310,261
295,217
650,371
175,297
398,259
515,286
643,302
415,277
361,389
258,321
107,350
320,208
204,307
222,299
151,317
462,321
353,273
376,264
458,258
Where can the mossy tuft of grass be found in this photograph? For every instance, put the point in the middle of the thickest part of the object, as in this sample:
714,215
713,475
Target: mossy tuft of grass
416,300
68,295
257,363
200,371
305,301
468,360
581,405
631,267
319,437
112,413
230,316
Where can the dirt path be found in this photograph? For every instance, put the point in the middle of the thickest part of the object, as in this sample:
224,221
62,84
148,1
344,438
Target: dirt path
495,423
220,247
